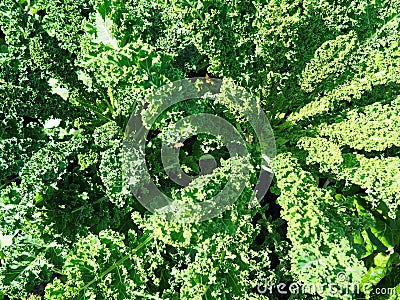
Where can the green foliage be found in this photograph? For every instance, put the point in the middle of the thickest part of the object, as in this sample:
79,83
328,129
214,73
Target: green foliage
322,243
325,72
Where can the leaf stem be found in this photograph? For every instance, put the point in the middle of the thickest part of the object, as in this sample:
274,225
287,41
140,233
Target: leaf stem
117,264
95,202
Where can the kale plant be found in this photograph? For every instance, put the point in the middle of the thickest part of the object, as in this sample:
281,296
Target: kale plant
327,76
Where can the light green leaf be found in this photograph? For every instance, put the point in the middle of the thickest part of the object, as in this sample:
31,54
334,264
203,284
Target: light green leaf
373,276
51,123
381,259
5,240
104,35
57,89
86,79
